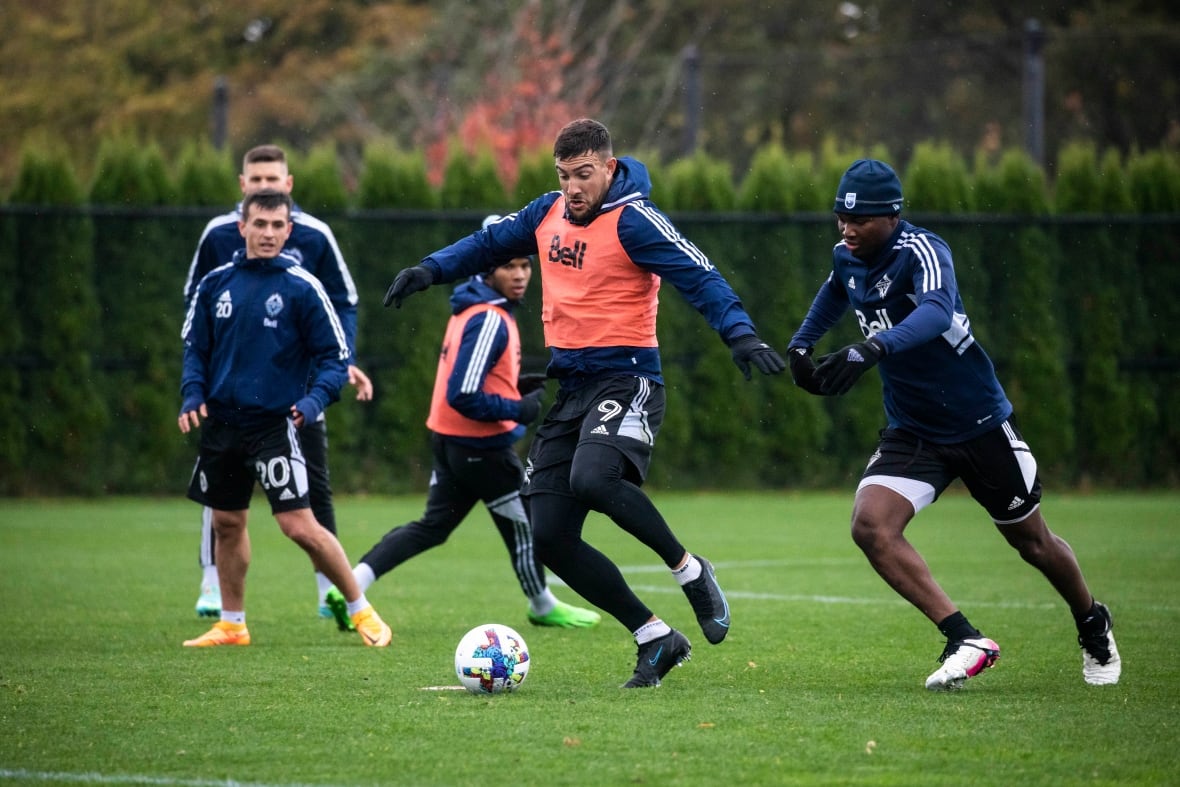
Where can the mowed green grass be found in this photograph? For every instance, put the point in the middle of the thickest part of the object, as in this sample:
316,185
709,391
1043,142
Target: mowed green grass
819,682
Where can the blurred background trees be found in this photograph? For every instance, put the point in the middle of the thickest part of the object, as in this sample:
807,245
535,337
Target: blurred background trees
407,122
669,78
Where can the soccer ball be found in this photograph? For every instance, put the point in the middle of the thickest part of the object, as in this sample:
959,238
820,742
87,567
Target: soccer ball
491,659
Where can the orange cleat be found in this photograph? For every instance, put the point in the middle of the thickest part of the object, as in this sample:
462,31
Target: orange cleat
373,630
222,633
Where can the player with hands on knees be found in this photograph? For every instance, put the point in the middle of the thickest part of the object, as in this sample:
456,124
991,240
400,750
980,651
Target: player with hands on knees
947,417
605,250
480,408
264,356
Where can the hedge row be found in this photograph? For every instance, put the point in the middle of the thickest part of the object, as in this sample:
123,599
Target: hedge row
1062,282
936,179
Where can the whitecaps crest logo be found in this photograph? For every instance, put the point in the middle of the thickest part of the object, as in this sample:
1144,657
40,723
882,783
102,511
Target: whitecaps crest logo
274,305
850,200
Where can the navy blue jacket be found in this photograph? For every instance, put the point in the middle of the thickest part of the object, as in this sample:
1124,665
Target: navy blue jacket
649,239
261,335
938,382
311,244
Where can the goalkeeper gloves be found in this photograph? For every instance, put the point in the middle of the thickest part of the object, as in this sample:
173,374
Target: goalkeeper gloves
839,371
803,369
751,350
407,282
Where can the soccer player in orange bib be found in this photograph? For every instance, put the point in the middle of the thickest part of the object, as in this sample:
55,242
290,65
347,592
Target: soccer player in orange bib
604,250
480,409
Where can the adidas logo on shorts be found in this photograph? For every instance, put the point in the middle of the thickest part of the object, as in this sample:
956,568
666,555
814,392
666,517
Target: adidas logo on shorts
1016,503
600,429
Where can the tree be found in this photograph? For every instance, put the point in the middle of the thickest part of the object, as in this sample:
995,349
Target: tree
499,73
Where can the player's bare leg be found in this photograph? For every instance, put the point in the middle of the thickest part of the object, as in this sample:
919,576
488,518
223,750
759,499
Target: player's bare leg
879,519
1052,556
328,556
322,547
232,550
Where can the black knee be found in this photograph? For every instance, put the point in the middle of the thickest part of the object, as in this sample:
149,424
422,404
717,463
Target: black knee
1034,551
546,546
556,522
595,474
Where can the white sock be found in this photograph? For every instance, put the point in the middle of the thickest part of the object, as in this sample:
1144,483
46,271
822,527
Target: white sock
653,629
356,606
688,572
234,617
209,578
543,603
322,585
364,576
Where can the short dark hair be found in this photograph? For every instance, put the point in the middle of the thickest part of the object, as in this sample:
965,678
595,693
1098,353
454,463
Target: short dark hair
583,135
264,153
267,199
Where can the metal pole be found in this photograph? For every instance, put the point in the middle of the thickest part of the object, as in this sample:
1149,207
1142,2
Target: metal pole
220,111
691,57
1034,91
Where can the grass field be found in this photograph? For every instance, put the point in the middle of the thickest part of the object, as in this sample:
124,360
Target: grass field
820,681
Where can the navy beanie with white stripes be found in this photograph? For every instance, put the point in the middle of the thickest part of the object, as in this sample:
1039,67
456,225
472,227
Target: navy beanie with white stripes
869,188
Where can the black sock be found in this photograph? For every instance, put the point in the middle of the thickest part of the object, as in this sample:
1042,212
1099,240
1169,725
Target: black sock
1091,617
955,626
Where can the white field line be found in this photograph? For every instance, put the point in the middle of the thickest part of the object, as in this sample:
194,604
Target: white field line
804,598
91,777
807,599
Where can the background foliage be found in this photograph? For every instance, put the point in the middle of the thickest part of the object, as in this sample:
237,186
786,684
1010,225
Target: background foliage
1060,280
668,76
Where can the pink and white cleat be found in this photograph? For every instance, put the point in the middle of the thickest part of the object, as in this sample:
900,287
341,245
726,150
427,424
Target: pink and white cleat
962,659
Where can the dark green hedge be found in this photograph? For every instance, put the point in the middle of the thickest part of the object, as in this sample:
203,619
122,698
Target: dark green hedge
1069,287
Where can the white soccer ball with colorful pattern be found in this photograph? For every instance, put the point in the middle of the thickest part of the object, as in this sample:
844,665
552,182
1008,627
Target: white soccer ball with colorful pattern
492,659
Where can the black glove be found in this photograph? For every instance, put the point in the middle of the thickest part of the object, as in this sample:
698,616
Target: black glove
407,282
839,371
803,369
527,383
752,350
530,406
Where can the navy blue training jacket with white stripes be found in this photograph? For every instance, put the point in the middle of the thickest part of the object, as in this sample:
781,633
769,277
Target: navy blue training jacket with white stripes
311,243
261,335
938,382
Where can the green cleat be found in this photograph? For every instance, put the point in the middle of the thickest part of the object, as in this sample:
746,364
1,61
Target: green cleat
336,604
566,616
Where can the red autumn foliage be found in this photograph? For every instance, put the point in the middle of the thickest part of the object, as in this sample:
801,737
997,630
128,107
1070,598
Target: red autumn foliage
522,104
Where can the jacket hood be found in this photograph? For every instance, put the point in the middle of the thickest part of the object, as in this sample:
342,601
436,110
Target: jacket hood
475,291
632,182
